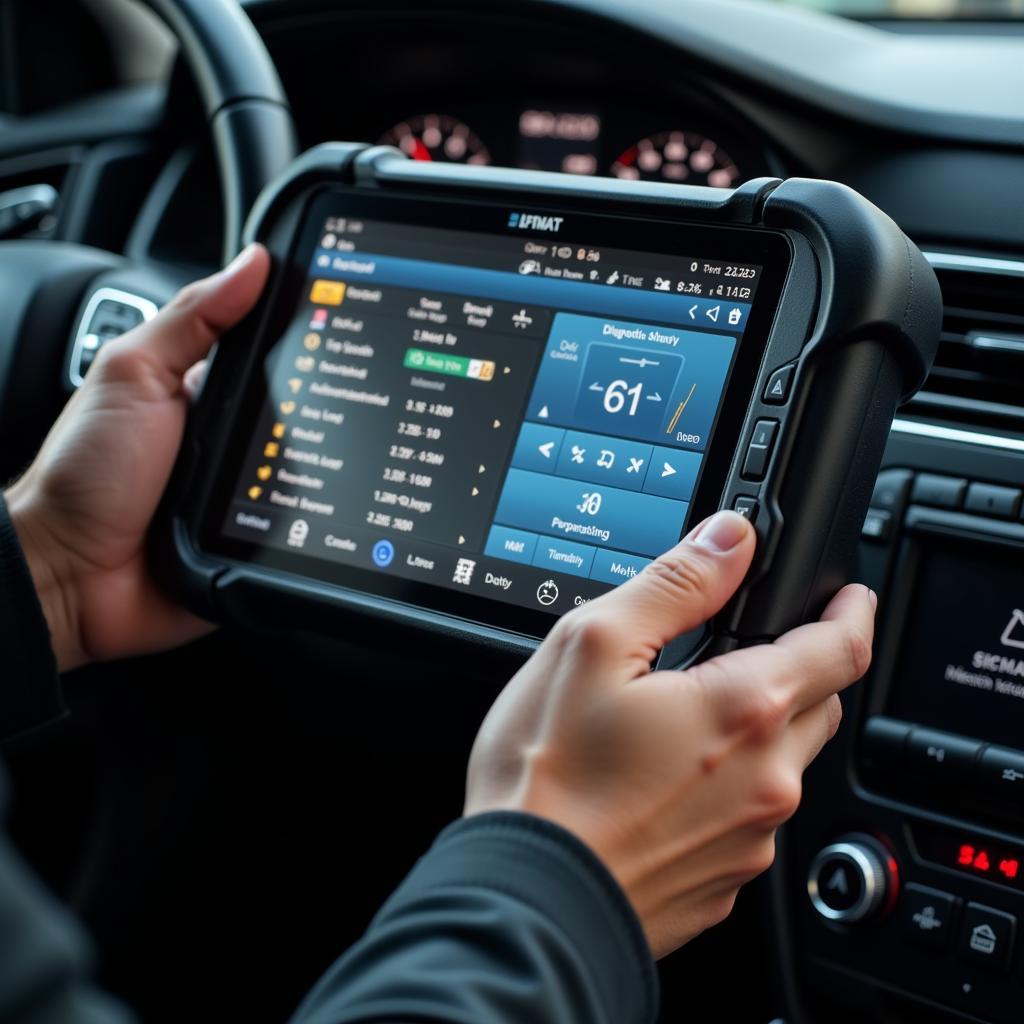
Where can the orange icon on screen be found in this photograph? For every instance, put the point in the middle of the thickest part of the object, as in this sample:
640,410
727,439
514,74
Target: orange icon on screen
278,430
295,384
312,342
327,293
271,449
305,364
287,408
264,473
255,492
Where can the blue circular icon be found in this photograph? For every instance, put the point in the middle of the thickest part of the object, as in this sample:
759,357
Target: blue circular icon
383,553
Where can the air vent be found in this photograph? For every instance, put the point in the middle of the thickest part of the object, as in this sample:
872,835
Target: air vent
978,374
38,180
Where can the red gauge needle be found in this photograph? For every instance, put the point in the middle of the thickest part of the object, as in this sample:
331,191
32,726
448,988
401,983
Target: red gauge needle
419,151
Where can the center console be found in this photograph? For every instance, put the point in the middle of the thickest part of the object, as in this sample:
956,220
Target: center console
903,889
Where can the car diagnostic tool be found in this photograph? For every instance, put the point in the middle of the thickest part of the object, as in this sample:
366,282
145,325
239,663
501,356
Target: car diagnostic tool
475,399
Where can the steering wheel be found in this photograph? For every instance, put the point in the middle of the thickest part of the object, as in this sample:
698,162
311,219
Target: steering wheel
60,297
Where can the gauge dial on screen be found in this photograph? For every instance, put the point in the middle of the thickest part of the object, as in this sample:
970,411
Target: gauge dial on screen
437,137
678,157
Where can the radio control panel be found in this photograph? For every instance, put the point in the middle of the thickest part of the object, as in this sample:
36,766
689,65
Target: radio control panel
906,862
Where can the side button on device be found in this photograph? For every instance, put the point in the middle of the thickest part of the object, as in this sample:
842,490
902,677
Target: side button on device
986,937
759,451
776,391
746,506
927,916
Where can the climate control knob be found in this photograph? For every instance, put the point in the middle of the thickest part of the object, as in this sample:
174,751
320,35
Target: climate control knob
852,879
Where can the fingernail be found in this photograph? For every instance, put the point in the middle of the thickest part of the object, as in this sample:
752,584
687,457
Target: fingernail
722,532
241,259
873,598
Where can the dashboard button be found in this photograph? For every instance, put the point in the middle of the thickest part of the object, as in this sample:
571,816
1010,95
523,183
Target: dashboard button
927,916
776,391
891,486
759,450
746,506
940,491
1001,772
942,755
877,525
986,936
990,500
850,880
885,741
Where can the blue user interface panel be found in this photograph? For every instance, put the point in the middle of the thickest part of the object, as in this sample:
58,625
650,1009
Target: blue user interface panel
611,447
502,416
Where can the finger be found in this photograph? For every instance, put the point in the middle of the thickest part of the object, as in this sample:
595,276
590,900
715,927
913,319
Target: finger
677,592
774,682
835,651
810,731
184,331
193,380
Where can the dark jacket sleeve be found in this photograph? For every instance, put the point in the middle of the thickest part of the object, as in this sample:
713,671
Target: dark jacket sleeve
44,956
508,919
29,687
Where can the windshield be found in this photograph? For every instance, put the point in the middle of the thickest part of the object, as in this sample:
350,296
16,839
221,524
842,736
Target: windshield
976,9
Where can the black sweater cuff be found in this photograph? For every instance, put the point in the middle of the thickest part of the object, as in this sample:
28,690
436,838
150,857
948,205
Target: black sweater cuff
508,919
30,692
540,864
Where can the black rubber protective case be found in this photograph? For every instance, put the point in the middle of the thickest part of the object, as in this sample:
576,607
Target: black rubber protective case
859,319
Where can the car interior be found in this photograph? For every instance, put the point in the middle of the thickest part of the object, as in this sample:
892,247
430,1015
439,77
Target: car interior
240,808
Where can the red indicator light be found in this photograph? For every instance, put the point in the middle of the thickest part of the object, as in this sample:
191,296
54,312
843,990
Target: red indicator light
1009,867
966,856
981,862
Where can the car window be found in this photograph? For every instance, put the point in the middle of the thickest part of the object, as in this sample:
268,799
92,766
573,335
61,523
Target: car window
941,9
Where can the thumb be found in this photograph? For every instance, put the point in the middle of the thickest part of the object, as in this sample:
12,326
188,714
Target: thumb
678,591
186,328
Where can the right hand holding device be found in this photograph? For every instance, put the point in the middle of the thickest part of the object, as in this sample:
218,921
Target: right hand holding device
677,780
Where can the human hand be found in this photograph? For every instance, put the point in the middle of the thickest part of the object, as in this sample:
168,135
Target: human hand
82,509
677,780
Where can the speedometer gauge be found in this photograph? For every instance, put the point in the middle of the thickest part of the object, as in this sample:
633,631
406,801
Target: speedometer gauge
437,137
678,157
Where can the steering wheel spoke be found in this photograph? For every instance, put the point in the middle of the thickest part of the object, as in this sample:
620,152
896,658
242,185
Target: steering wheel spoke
62,301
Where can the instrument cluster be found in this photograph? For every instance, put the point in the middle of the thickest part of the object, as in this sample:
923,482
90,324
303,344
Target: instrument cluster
581,140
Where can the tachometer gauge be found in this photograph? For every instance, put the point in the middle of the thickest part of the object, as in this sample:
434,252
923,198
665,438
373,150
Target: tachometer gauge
678,157
437,137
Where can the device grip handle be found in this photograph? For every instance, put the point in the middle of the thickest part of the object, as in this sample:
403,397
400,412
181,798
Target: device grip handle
821,503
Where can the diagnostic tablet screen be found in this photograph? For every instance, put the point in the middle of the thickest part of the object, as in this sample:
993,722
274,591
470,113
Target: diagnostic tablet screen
494,403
